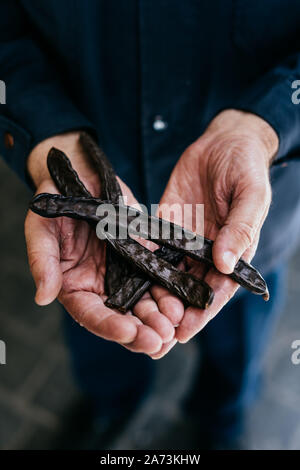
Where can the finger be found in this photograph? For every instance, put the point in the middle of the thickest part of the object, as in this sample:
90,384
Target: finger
43,257
147,311
147,341
168,304
239,230
250,252
164,349
195,319
88,310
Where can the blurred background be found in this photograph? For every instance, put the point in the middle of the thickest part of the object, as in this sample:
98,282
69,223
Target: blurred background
39,400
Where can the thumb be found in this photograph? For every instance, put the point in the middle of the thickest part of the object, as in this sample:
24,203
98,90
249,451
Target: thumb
43,257
246,216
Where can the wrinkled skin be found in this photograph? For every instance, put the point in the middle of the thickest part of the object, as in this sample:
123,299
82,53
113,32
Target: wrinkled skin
67,262
226,169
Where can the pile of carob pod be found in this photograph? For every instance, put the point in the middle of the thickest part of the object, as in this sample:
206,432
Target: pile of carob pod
130,267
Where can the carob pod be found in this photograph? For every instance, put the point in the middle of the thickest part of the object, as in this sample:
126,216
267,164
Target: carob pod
135,286
191,290
50,205
64,176
68,183
131,287
117,273
116,268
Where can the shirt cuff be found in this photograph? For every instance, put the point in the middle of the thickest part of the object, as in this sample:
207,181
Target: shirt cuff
16,141
271,99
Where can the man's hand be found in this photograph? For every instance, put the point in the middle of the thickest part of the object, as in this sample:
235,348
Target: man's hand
67,262
227,170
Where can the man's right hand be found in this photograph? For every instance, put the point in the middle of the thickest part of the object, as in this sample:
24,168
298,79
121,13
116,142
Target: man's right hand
67,262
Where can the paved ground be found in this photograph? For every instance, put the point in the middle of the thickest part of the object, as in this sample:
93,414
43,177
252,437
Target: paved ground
37,393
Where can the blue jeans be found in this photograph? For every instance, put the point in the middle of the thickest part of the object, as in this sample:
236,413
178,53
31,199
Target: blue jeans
232,346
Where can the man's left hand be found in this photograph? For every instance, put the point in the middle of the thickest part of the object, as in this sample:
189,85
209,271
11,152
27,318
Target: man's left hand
227,170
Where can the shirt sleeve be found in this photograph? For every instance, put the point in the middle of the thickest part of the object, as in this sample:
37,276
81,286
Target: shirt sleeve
37,105
275,98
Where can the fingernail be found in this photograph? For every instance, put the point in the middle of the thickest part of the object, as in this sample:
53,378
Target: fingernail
229,259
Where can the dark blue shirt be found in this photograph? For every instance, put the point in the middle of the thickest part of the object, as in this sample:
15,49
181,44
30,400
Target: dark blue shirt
146,77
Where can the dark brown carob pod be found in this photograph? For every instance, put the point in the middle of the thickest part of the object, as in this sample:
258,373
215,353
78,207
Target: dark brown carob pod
117,272
135,286
120,279
191,290
64,176
49,205
116,269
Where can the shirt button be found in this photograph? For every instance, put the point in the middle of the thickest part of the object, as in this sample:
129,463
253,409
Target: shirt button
159,124
8,140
